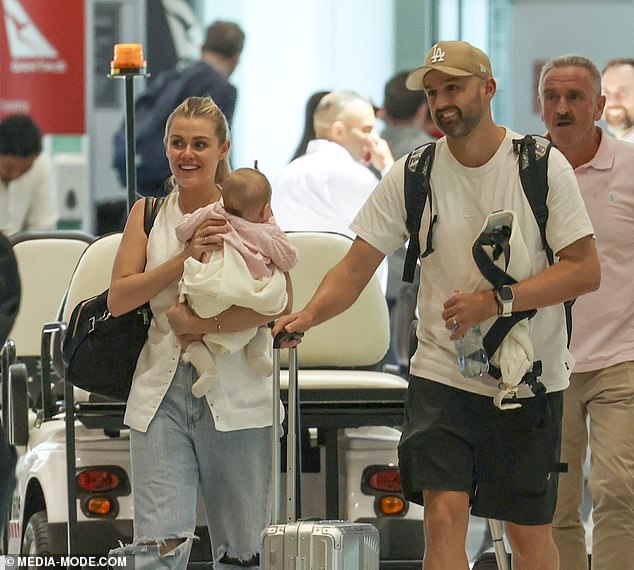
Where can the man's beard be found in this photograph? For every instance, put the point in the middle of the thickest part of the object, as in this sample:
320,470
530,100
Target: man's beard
617,124
468,119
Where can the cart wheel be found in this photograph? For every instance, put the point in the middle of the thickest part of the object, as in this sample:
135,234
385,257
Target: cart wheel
36,539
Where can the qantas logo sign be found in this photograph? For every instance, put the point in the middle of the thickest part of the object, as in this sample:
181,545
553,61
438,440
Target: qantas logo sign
186,32
30,51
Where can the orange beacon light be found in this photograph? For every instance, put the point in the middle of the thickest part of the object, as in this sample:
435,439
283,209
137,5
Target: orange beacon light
127,64
128,59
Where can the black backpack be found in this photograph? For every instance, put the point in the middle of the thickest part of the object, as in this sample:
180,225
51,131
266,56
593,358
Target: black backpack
533,171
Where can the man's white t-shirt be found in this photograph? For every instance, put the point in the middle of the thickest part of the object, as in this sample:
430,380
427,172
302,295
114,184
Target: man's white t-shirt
462,199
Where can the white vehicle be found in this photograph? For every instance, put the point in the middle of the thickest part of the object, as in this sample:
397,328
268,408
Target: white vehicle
355,475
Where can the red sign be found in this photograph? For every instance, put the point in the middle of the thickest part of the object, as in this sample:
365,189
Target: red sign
42,50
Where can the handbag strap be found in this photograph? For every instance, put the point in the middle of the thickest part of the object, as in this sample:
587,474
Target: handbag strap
151,209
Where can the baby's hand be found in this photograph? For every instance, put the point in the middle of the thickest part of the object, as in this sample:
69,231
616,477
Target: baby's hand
179,316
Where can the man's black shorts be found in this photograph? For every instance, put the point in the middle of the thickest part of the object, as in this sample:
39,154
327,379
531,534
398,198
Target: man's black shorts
506,461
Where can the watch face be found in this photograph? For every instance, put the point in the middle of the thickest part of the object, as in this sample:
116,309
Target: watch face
506,293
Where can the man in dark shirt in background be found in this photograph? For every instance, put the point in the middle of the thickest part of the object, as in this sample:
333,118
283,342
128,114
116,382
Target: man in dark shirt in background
220,56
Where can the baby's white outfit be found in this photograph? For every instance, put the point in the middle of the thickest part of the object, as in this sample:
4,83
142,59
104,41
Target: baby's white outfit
255,281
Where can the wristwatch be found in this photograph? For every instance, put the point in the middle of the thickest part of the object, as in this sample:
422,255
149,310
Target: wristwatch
504,297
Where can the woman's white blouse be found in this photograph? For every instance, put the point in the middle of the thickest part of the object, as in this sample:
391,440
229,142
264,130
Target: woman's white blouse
240,399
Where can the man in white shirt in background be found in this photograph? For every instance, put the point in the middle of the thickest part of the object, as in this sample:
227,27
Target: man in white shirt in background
26,194
617,83
324,189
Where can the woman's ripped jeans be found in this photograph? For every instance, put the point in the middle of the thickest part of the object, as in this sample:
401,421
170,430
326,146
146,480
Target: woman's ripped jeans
180,453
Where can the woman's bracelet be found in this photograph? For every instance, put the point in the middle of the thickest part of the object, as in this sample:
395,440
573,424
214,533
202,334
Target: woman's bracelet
217,321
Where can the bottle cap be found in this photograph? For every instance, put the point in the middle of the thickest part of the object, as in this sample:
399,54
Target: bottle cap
127,58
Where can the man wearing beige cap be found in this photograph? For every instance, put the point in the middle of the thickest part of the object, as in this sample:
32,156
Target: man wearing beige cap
458,451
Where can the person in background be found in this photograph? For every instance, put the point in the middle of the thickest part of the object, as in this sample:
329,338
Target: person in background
220,55
10,292
323,190
179,443
617,82
27,200
599,404
221,52
309,129
404,112
10,289
458,452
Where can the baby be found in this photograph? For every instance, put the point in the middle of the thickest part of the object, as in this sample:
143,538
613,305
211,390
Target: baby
248,272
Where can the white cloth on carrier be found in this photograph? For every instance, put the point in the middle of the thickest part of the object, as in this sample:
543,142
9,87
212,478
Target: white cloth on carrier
514,356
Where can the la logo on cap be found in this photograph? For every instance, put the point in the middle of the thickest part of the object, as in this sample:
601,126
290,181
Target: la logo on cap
437,54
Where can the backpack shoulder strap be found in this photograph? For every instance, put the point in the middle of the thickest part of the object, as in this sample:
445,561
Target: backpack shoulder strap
533,151
151,210
417,173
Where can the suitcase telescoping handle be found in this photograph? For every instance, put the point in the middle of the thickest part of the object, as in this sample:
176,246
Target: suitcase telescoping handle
291,436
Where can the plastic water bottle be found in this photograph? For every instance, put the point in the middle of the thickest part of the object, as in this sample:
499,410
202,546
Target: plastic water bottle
472,358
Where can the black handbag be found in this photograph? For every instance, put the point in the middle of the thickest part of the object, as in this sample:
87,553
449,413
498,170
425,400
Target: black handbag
100,351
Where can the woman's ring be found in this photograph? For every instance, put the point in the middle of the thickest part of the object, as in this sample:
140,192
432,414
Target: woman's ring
205,240
456,324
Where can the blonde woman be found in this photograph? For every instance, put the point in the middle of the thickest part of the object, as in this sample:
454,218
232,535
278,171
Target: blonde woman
177,441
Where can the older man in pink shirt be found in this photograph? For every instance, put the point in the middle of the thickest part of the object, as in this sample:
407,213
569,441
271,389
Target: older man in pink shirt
602,385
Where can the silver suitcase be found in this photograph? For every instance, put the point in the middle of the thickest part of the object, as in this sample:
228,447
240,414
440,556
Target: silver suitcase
328,545
307,545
